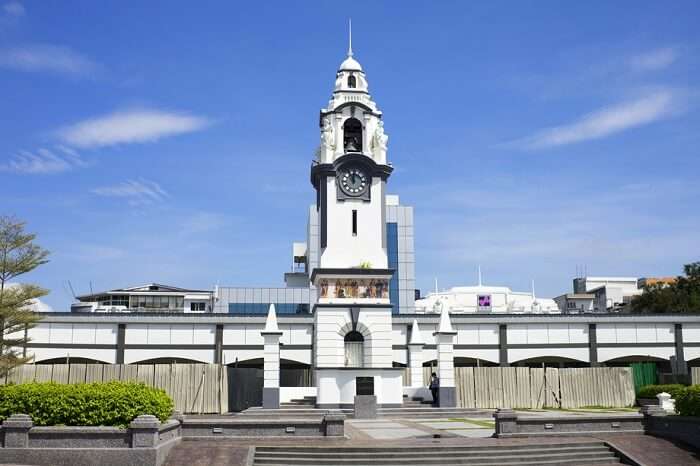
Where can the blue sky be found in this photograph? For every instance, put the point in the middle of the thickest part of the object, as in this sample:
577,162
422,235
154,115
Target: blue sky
171,141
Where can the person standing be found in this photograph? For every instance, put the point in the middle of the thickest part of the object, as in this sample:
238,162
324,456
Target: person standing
435,388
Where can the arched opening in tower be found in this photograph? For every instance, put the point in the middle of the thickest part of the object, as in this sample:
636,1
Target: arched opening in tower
352,135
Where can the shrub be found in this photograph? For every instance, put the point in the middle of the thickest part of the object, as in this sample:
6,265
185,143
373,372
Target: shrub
688,401
91,404
650,391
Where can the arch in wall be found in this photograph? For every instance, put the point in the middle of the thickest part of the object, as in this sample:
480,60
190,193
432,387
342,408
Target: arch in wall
550,361
463,362
71,361
626,360
257,363
352,82
693,362
167,360
360,327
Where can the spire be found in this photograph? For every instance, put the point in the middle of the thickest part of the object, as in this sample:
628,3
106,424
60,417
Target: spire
271,322
479,273
349,37
533,289
445,323
416,337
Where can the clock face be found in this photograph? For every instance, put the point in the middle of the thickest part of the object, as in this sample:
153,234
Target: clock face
353,181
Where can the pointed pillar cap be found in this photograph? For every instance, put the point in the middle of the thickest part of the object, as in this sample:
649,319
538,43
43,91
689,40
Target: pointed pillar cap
271,327
416,337
445,327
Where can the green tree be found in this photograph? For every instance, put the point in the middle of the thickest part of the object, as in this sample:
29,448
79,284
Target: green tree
681,296
18,255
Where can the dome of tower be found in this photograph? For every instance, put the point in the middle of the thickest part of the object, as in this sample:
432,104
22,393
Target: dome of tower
350,64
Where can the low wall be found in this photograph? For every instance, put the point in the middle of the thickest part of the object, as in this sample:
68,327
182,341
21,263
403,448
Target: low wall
683,428
511,424
330,425
146,442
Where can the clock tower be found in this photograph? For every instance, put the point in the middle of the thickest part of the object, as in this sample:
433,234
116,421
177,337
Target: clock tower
352,331
350,174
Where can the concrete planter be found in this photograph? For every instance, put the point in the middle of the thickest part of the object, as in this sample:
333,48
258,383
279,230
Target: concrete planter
511,424
146,442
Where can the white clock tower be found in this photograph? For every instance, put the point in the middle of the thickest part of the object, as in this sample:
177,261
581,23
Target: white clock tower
353,346
350,174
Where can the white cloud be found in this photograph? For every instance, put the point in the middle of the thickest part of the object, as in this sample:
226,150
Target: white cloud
133,126
43,161
43,57
35,305
654,60
604,122
14,9
137,192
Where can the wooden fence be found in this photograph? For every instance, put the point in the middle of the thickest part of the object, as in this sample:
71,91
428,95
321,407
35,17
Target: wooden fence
195,388
535,388
695,375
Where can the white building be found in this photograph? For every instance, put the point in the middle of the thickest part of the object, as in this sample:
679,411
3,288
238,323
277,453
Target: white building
609,293
152,297
481,298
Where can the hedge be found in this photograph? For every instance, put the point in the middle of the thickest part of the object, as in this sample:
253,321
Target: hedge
688,401
650,391
88,404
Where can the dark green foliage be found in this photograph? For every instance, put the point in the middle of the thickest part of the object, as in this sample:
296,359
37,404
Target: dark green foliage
91,404
650,391
688,401
681,296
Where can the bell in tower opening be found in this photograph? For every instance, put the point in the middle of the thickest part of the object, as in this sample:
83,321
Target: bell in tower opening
352,135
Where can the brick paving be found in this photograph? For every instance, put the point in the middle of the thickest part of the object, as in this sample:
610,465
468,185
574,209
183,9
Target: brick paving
653,451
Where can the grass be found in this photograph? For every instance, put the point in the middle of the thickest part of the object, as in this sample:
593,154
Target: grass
478,422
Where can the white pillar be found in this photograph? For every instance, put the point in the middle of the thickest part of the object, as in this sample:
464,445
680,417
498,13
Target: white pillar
271,366
444,338
415,356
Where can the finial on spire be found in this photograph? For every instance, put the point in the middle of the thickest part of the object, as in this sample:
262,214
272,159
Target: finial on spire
479,273
349,37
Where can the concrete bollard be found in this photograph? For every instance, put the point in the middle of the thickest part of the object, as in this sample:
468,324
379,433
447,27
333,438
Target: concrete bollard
506,421
144,431
16,428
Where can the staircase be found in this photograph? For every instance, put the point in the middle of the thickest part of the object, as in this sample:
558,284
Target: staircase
415,408
552,454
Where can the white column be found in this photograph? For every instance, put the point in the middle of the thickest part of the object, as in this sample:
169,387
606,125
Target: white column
271,356
415,356
444,338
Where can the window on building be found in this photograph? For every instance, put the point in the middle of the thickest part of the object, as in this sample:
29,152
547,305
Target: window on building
352,135
354,223
571,305
198,307
352,82
354,349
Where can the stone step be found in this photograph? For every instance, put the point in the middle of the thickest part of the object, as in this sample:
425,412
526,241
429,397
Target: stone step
435,459
443,455
442,451
436,447
555,462
564,454
495,459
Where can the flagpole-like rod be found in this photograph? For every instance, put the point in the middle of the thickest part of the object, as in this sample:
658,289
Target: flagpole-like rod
349,37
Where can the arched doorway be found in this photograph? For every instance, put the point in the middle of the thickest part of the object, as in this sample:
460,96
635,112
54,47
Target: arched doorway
354,349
